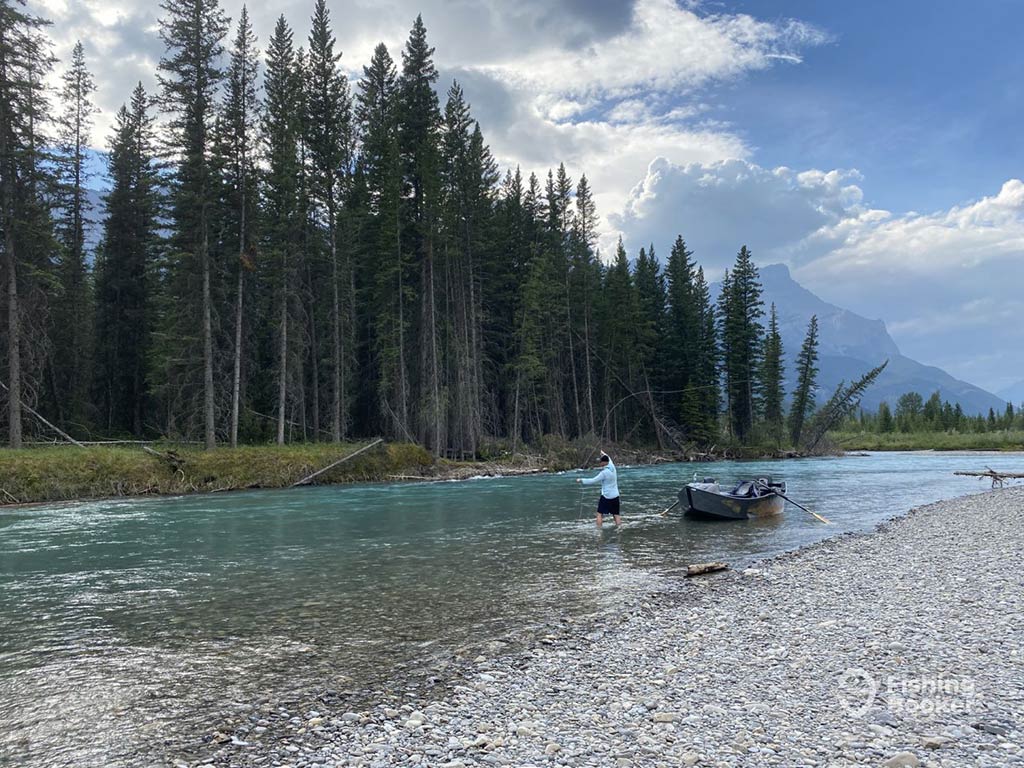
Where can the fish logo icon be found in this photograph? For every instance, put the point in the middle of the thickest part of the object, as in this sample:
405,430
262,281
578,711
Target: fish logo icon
857,690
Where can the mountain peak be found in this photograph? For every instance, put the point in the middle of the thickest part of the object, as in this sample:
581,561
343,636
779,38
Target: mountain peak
842,332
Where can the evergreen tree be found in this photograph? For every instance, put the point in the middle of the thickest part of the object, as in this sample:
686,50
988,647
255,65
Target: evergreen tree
192,31
618,345
383,277
705,382
468,177
587,272
241,118
650,321
28,245
932,412
329,125
771,378
885,421
283,218
124,265
680,333
802,405
740,311
419,127
844,401
72,315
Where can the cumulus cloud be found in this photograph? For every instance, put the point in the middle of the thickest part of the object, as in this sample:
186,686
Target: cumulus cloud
665,48
720,206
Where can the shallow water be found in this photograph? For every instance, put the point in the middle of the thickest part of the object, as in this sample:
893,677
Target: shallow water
131,627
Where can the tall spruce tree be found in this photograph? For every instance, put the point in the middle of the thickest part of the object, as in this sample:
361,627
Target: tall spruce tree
619,314
124,266
681,340
192,31
283,219
241,118
771,378
469,176
72,314
740,311
650,321
705,379
28,244
419,127
329,137
587,272
383,274
802,405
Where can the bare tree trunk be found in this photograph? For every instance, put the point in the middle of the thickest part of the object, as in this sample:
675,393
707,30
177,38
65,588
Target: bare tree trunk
403,385
476,422
236,378
236,381
211,436
314,357
515,412
430,318
13,339
282,374
336,328
572,358
654,418
586,357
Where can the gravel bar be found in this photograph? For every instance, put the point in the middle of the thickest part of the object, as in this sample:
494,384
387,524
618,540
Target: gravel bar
901,647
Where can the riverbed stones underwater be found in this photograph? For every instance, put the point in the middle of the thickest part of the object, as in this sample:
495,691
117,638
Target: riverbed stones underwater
898,648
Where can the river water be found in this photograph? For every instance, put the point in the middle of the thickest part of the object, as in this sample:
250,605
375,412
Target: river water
127,628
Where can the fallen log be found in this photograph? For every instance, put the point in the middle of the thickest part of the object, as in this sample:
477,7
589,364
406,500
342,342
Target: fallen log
175,460
701,568
333,464
45,421
997,478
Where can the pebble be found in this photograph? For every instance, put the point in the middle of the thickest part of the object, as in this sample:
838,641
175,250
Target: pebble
902,760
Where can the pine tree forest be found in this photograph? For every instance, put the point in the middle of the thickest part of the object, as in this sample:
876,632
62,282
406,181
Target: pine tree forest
288,255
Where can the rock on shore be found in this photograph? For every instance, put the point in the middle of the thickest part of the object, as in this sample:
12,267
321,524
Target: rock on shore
904,647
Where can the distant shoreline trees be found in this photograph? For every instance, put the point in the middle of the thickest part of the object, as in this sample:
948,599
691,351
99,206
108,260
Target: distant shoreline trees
294,261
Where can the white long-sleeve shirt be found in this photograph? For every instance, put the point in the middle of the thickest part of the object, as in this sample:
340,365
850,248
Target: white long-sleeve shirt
609,480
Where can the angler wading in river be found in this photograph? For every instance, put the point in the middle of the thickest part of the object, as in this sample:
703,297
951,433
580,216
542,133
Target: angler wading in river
608,504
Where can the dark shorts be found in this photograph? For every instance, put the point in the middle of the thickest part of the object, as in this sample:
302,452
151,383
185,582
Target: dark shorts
608,506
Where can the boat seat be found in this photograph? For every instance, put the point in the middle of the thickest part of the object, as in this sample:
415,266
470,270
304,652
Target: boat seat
745,488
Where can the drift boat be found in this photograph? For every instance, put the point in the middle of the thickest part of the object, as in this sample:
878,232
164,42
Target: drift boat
748,498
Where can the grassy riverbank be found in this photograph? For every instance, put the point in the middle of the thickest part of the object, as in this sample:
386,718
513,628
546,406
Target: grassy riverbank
66,472
1004,440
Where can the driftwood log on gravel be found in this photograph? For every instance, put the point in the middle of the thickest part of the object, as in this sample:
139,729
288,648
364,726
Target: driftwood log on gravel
701,568
996,477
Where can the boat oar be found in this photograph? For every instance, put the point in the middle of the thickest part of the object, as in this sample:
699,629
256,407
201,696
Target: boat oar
801,506
665,512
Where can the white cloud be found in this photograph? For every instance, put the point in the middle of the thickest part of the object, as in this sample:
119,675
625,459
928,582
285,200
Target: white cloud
719,206
665,48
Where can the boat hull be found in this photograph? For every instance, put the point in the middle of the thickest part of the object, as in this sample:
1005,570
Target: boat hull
709,503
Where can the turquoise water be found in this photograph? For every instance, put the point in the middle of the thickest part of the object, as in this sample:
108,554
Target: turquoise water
131,627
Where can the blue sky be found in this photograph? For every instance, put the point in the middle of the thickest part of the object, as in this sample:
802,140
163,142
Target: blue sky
872,147
924,98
